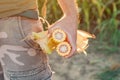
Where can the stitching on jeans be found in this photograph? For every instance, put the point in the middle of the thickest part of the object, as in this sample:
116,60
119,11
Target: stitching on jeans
32,73
49,76
27,72
50,73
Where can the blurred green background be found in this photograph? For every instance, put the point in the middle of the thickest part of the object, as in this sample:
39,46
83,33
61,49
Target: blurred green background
100,17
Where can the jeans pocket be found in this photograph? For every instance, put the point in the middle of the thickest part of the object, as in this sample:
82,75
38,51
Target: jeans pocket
26,27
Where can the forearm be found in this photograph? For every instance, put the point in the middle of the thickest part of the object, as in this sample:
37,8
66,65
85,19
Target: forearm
68,7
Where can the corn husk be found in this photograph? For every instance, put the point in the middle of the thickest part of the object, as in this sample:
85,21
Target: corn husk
42,39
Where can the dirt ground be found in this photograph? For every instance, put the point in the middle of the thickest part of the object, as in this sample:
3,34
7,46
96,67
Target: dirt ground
81,67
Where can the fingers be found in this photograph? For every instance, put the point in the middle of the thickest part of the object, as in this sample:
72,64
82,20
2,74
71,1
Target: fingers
73,50
50,30
72,53
72,41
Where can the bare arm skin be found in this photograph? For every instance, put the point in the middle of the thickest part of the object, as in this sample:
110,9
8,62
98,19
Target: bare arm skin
68,22
68,7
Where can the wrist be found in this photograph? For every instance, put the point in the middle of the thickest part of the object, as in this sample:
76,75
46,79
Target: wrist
71,13
70,21
71,17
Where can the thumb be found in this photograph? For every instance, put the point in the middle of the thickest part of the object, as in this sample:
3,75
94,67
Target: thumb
50,29
72,53
72,42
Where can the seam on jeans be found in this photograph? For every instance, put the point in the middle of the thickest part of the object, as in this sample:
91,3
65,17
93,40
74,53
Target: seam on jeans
22,33
11,74
49,76
26,73
30,43
49,72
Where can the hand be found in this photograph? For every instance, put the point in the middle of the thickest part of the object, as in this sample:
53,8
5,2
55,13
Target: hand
38,27
35,25
69,25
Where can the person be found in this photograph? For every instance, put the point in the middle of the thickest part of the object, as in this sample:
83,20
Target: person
22,60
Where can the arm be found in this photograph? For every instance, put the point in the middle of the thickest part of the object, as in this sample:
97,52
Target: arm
68,7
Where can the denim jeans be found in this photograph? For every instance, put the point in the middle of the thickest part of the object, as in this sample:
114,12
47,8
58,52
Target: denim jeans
21,59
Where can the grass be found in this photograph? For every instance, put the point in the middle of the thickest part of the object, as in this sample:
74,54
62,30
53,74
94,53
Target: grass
100,17
109,74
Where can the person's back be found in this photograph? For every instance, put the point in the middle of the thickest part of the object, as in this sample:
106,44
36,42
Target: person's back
22,59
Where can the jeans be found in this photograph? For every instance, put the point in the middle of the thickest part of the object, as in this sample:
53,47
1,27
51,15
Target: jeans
21,59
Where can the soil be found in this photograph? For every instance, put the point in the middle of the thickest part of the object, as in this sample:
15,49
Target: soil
82,67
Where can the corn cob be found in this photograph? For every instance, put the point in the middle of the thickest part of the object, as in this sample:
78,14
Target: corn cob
58,35
63,48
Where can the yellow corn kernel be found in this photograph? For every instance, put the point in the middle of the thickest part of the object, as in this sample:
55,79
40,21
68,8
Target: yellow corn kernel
51,43
63,48
58,35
